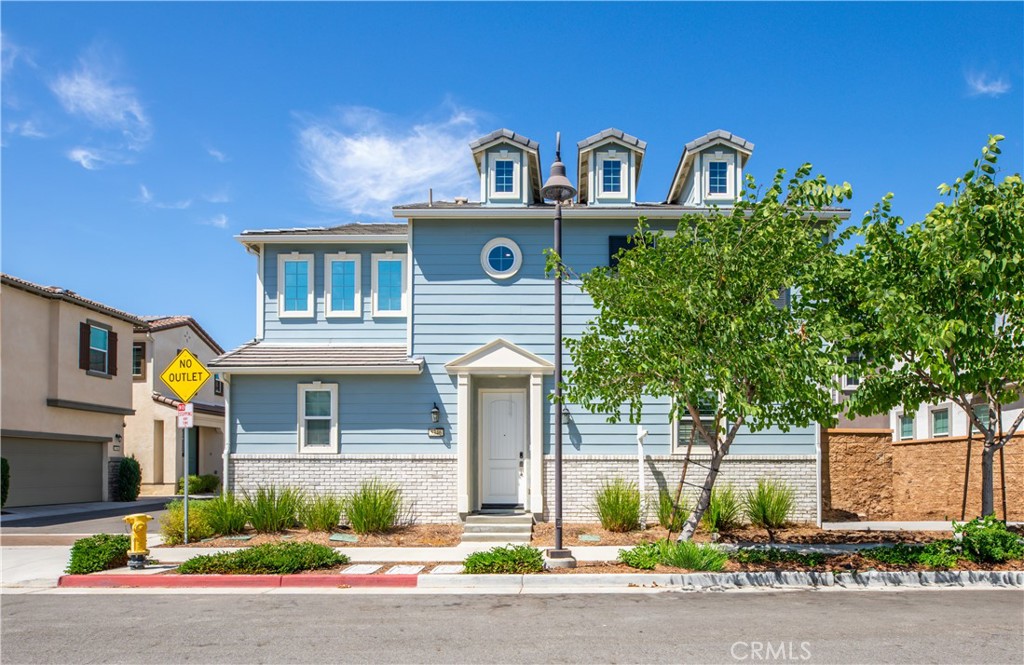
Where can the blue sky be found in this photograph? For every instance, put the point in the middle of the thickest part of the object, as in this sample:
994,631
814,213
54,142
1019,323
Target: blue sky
139,138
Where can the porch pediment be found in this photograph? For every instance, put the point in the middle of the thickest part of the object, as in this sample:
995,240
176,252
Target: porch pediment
499,357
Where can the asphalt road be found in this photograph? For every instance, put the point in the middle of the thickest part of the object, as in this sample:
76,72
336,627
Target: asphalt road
941,626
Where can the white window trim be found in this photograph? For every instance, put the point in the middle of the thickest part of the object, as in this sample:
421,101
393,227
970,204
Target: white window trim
517,258
389,256
899,427
847,386
517,167
970,423
679,447
303,388
730,176
931,421
624,172
329,311
310,297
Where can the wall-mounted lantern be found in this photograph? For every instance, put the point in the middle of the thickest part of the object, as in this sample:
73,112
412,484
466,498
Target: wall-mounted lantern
565,415
435,414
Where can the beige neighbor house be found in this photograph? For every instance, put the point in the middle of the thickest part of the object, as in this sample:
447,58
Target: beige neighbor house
66,389
152,434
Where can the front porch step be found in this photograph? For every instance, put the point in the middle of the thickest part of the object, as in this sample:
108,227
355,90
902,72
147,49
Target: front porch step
499,528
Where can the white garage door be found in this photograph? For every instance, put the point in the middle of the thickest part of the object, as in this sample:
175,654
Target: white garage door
45,472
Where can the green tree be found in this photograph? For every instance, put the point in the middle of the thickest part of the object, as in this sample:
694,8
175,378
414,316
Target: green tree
696,317
936,308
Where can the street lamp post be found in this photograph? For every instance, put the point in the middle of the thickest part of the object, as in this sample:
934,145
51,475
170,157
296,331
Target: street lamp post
558,189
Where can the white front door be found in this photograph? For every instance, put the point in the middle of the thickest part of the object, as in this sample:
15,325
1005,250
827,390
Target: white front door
503,445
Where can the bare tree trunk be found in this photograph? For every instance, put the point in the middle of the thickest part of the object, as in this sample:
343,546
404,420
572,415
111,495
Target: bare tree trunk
704,500
987,498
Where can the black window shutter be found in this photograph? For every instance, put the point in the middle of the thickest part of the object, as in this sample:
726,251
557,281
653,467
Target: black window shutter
616,243
112,353
83,346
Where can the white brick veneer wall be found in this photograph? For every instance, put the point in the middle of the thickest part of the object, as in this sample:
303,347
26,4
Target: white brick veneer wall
428,482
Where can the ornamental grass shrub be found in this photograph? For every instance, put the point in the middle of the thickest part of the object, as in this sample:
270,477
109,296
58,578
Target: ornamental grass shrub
268,559
618,505
666,518
374,508
678,554
509,559
769,505
129,479
226,514
723,511
172,522
272,509
203,484
100,552
321,512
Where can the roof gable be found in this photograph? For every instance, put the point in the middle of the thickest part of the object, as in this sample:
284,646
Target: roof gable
499,356
743,147
610,136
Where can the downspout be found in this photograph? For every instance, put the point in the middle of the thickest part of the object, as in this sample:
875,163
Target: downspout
227,433
641,434
817,457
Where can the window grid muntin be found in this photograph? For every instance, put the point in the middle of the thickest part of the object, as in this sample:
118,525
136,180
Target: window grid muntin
611,175
504,178
343,285
296,285
718,179
501,258
138,359
906,427
940,422
389,285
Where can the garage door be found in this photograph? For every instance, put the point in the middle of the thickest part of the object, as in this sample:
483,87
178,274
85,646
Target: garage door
45,472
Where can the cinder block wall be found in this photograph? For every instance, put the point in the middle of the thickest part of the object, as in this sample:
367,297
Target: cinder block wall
856,475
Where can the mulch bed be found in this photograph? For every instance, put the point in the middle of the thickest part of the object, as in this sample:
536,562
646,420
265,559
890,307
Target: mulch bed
416,535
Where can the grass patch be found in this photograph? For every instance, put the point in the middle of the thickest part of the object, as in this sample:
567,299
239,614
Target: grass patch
940,554
684,554
510,559
269,559
272,509
321,512
769,505
226,515
773,555
100,552
723,511
374,507
618,505
172,523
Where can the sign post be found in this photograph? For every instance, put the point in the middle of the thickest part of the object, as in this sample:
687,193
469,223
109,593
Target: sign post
185,376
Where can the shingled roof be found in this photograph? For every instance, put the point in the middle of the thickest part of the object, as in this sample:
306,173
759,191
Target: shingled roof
261,357
158,323
58,293
351,229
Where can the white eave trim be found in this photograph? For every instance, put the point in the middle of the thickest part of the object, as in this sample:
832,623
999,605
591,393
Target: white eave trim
304,238
415,368
573,212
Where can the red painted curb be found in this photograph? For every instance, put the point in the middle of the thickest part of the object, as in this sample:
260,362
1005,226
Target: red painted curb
236,581
329,581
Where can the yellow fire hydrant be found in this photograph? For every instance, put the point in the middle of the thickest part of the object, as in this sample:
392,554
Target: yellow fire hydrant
139,524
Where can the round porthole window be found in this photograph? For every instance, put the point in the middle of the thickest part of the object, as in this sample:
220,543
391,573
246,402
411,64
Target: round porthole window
501,258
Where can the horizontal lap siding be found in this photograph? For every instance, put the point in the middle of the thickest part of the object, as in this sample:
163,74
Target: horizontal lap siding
458,308
377,414
365,330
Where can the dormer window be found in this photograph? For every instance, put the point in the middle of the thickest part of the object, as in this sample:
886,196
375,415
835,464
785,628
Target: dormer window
611,175
718,178
503,173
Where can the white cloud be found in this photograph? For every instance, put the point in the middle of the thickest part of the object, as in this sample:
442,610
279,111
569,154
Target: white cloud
88,158
982,84
28,129
90,92
218,221
146,197
217,154
363,162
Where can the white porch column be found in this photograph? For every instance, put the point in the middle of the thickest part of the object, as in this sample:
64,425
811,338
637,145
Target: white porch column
462,449
536,445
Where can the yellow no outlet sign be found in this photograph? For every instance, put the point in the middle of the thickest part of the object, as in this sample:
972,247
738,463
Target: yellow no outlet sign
185,375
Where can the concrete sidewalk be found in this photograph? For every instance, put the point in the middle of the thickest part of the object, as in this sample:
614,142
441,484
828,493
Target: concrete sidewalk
40,515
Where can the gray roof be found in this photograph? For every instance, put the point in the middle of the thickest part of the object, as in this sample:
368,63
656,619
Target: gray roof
260,355
504,134
729,137
201,407
58,293
353,229
612,133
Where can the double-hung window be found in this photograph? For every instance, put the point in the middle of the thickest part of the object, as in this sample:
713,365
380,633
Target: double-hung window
139,361
940,422
295,285
342,295
97,349
318,417
388,284
906,427
687,429
981,413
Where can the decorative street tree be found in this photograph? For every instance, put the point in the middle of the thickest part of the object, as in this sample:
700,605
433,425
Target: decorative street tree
936,309
697,317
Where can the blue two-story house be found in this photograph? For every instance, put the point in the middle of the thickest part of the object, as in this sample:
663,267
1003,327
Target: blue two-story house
421,352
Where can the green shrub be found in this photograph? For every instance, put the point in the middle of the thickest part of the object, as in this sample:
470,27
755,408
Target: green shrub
618,505
204,484
684,554
374,507
769,505
321,512
987,540
644,557
940,554
172,522
129,479
507,559
665,506
225,514
723,511
5,480
773,555
271,509
268,559
100,552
